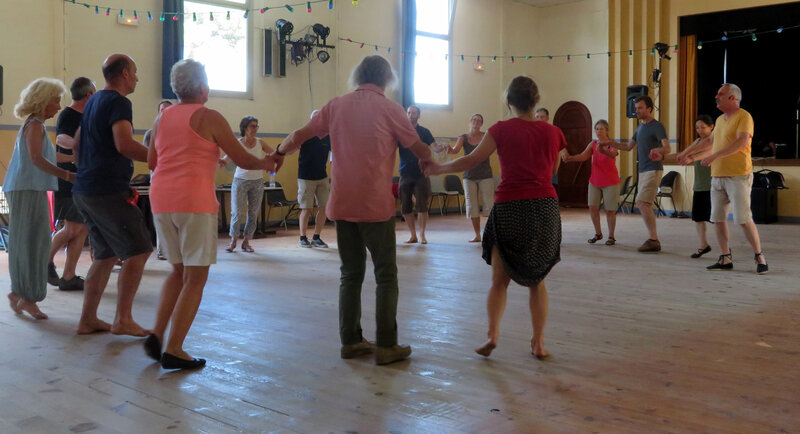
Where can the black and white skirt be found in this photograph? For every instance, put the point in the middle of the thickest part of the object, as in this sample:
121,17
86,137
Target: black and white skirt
527,234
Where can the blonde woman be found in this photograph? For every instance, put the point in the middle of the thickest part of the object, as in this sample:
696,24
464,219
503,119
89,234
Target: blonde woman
31,173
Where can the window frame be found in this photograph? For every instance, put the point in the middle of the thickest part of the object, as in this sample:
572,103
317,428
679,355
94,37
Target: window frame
234,7
449,39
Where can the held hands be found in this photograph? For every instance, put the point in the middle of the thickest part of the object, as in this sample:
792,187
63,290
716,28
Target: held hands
683,159
273,162
655,155
221,163
430,167
708,160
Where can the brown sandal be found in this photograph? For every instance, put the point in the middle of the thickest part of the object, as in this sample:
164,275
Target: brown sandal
611,241
246,248
595,238
231,246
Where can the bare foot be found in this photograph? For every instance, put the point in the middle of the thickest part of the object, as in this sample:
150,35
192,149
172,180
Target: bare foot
31,308
477,239
423,240
13,301
411,240
93,326
486,349
231,245
538,351
129,328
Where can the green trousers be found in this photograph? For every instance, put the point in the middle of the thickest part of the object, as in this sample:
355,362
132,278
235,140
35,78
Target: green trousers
28,243
354,238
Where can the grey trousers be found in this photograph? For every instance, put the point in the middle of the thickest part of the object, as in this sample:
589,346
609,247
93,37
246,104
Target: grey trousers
28,243
251,191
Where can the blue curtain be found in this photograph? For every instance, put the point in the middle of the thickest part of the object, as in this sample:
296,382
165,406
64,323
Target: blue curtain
409,46
172,45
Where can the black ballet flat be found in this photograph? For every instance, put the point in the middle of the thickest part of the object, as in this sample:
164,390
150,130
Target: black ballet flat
168,361
152,347
701,252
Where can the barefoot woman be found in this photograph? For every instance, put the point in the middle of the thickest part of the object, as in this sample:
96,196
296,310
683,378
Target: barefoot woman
522,239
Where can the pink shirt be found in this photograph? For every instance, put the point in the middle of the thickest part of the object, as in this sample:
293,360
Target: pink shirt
365,127
184,177
604,169
527,151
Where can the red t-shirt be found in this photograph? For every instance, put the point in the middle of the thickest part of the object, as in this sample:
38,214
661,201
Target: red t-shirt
604,169
527,151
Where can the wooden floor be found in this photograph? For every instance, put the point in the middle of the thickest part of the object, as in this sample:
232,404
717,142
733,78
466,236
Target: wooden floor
639,343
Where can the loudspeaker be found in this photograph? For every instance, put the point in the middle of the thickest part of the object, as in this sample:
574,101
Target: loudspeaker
1,85
632,93
267,52
764,204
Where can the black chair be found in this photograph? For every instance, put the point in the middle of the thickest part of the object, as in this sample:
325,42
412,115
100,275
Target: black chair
277,199
453,187
625,193
665,189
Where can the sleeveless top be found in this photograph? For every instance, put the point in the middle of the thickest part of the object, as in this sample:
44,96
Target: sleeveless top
21,173
183,180
250,175
604,169
483,170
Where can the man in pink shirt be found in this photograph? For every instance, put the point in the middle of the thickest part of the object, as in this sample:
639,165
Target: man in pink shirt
364,127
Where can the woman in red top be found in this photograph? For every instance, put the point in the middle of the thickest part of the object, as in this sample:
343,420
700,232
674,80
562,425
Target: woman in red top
522,239
603,183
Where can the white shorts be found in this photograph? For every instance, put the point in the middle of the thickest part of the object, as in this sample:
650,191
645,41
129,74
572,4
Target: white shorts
475,189
188,238
308,190
731,192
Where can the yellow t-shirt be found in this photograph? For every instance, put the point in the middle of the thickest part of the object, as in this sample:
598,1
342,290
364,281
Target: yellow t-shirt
725,133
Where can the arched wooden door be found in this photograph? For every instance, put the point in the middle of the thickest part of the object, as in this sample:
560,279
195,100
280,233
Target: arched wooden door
575,121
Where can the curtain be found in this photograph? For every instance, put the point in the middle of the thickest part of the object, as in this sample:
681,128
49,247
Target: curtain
409,48
172,45
687,90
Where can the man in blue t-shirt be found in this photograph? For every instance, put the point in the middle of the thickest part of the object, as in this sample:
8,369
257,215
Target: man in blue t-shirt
104,198
651,143
313,184
413,182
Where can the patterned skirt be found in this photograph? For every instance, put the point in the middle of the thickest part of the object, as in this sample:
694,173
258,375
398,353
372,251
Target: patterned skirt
527,234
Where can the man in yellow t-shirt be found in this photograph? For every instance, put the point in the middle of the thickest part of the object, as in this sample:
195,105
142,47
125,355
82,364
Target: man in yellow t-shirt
727,151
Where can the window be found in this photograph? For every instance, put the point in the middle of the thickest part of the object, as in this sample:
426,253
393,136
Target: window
432,64
222,44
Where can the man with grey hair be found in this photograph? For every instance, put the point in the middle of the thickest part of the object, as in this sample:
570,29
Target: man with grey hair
727,151
364,127
73,234
103,196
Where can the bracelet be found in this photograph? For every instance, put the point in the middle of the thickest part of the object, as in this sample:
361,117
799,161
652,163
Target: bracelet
278,150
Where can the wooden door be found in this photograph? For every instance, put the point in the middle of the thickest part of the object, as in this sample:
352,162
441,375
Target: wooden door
575,121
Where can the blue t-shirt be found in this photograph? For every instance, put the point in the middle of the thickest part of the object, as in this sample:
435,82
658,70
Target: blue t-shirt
101,168
409,163
648,136
313,160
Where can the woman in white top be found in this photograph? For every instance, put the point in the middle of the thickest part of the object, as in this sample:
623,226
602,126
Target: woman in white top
247,185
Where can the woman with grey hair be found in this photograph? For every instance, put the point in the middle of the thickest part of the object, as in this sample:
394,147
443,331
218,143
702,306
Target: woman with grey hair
188,138
31,173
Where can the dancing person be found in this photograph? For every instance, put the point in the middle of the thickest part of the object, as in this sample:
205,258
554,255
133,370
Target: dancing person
31,173
542,114
364,127
478,181
603,181
522,239
413,182
188,138
73,234
701,197
313,185
247,187
731,175
651,143
164,103
102,194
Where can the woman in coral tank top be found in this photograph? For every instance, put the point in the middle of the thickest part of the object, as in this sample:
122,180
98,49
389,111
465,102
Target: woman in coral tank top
188,138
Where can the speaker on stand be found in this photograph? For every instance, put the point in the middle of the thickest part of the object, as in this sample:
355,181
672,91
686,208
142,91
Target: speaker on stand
633,92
